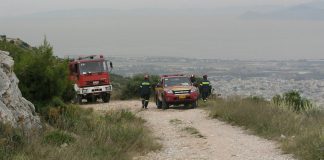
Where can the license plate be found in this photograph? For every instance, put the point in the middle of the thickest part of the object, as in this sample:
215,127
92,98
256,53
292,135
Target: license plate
95,82
182,96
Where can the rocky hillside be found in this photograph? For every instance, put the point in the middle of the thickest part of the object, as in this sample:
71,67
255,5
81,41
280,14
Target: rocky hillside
14,109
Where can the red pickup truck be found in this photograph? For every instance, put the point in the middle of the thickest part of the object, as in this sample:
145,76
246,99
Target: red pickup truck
175,90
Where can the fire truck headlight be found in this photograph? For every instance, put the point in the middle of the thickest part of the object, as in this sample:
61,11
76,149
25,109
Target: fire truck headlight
84,90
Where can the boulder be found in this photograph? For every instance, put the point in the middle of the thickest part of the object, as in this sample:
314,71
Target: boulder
14,109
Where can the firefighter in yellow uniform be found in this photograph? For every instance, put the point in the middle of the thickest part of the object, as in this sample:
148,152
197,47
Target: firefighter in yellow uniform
145,91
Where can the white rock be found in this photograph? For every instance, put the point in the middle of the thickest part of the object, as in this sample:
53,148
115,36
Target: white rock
14,109
64,145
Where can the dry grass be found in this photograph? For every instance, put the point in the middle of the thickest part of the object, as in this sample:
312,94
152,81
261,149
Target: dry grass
81,135
301,134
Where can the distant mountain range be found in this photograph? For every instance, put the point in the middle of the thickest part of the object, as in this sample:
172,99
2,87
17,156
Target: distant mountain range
103,12
307,11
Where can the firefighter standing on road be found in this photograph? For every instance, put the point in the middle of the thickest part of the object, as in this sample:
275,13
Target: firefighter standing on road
145,90
205,88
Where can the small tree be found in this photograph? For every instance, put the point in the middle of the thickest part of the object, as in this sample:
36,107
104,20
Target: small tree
42,75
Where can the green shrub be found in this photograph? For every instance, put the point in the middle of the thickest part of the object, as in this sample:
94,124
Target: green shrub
58,138
292,100
57,102
131,89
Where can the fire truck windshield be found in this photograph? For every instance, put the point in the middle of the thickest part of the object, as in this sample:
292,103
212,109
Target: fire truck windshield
177,81
93,67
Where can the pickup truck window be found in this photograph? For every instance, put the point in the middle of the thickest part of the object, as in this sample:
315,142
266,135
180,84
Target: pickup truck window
177,81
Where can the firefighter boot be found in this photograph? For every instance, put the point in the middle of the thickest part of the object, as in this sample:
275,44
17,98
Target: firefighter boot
143,103
146,104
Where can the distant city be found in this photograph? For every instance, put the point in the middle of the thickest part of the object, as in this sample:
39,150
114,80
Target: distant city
237,77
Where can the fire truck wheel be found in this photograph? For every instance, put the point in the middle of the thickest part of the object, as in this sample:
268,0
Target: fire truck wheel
94,99
106,97
91,99
77,99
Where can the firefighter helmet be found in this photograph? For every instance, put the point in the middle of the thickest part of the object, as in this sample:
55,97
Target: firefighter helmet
205,76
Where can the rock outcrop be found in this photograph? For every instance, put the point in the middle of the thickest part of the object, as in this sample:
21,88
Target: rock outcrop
14,109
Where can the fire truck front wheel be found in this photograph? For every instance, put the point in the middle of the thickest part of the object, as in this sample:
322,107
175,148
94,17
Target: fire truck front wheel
105,97
91,98
77,99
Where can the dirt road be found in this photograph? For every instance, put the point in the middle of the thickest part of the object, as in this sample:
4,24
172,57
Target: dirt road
191,134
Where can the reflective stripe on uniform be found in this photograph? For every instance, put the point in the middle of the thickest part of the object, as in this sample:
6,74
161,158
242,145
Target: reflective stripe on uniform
145,84
205,83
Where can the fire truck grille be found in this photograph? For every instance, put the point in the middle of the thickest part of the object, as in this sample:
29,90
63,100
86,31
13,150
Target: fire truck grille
95,83
181,92
96,90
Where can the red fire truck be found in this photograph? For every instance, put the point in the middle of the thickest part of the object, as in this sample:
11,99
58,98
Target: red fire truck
91,78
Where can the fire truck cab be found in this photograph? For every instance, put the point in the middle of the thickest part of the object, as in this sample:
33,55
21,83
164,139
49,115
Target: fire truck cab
91,78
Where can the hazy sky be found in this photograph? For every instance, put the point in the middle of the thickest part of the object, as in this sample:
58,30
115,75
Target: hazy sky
17,7
131,34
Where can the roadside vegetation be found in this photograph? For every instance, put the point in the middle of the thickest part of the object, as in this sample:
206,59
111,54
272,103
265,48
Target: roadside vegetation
289,119
75,133
128,87
69,132
42,75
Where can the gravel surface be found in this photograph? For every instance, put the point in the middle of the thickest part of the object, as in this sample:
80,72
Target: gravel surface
215,140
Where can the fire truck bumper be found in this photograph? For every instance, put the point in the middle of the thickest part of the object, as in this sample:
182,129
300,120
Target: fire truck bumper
95,90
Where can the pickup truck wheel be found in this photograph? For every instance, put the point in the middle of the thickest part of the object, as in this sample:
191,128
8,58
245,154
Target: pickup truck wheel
165,105
194,104
158,103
